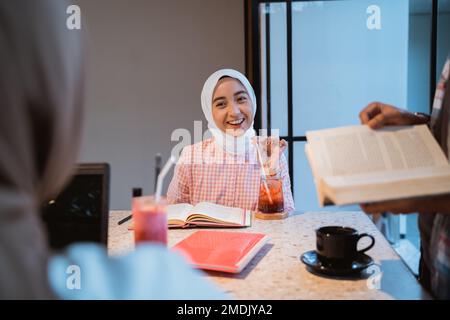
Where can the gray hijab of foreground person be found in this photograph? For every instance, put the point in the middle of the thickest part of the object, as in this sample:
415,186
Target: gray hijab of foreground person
41,83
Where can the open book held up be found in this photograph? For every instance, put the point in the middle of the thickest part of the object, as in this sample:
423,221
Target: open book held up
356,164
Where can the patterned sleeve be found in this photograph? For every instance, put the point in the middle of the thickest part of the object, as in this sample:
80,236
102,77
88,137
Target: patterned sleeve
287,193
179,188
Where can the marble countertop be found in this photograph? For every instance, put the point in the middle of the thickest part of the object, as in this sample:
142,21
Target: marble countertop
276,272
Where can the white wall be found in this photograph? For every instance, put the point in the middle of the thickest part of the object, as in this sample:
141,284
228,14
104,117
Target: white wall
149,60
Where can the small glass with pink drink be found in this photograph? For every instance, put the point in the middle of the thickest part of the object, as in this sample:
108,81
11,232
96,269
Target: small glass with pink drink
271,198
150,220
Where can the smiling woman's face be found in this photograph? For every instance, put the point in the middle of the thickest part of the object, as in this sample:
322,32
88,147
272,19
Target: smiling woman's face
232,109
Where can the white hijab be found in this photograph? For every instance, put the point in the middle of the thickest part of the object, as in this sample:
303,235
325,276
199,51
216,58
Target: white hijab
229,143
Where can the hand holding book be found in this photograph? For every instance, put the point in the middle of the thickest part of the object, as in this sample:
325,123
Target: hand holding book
356,164
377,115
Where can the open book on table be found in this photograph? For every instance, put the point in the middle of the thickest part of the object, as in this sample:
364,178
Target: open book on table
356,164
205,214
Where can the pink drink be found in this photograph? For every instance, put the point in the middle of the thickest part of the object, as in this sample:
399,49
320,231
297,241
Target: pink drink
150,220
274,203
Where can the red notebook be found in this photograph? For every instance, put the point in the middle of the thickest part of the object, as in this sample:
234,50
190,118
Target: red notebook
221,250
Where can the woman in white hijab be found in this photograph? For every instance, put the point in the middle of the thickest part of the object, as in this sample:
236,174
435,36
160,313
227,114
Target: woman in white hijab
224,169
41,95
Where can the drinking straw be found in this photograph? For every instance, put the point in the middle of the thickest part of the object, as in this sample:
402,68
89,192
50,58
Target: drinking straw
263,173
161,176
158,160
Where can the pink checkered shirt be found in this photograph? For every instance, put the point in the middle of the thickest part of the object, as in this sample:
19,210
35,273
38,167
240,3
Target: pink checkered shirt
206,173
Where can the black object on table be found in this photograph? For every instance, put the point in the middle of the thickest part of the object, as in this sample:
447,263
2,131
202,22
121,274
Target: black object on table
137,192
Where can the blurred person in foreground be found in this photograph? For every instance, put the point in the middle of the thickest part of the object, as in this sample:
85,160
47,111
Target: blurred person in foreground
42,67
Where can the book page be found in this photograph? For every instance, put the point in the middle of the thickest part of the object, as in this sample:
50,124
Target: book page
396,185
217,213
359,180
177,213
359,149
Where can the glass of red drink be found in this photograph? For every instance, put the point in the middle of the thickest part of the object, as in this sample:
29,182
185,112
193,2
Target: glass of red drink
271,198
150,220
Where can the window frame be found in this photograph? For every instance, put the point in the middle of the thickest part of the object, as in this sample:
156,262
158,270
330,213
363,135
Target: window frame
253,65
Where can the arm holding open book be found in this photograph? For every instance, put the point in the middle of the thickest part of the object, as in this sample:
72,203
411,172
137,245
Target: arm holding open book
377,115
356,164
